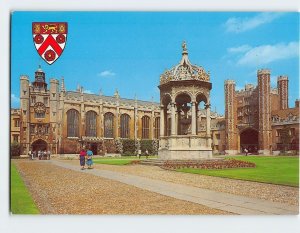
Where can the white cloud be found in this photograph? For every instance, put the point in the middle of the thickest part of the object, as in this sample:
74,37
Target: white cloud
239,49
14,99
238,25
88,92
106,73
265,54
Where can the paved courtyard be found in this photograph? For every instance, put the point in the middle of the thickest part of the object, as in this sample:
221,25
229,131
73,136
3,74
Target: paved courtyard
60,187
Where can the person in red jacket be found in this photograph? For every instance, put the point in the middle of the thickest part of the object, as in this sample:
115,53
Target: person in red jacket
82,156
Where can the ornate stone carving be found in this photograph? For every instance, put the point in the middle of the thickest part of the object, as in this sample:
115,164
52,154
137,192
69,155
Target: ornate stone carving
184,70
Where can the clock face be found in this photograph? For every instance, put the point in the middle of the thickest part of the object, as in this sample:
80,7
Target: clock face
39,107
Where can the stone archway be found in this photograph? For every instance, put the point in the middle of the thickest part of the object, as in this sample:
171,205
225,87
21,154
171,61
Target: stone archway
39,145
183,114
249,140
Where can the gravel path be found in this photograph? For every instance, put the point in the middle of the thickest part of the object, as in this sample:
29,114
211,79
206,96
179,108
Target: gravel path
270,192
62,191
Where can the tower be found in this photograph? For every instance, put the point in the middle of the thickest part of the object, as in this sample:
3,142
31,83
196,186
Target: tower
282,85
230,117
54,105
25,113
264,109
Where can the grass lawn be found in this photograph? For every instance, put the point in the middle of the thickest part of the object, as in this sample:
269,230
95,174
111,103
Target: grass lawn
21,201
118,161
282,170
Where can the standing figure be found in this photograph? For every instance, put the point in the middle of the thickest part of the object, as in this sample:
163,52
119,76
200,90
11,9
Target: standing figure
89,161
48,154
39,154
246,151
147,153
44,154
29,154
139,153
82,155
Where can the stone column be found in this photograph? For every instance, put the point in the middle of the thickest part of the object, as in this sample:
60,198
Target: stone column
207,107
193,118
162,121
173,120
208,132
178,120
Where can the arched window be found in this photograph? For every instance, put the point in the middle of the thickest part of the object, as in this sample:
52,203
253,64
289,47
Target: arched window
145,127
108,125
157,127
125,130
91,123
73,123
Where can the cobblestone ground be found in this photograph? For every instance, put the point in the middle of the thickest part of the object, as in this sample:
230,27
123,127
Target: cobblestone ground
270,192
57,190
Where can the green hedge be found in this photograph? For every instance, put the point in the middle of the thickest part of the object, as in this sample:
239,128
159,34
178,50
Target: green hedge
15,149
128,147
146,145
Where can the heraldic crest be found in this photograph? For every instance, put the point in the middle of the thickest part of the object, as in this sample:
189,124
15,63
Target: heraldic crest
49,39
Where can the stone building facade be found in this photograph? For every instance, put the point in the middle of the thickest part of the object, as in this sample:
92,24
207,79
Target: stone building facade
256,115
15,125
64,121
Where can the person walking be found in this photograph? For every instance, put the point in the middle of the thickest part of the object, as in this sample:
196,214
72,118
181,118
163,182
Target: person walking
82,156
139,153
147,153
246,151
30,154
44,155
48,154
89,160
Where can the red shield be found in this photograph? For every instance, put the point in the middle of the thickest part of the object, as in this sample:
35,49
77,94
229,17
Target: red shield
49,40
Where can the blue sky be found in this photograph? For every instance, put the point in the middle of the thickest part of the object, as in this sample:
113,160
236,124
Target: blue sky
129,50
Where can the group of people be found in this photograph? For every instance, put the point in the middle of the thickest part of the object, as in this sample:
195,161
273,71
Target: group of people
140,153
40,154
86,157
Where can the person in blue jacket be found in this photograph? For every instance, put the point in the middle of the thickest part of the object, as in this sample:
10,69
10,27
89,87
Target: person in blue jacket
89,159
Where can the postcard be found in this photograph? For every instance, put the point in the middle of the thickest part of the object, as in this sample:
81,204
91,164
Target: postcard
154,113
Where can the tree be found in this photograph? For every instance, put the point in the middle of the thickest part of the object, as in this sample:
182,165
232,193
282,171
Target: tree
285,137
15,149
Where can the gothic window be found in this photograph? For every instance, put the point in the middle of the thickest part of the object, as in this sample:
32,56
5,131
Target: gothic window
46,100
108,125
17,123
46,129
33,99
73,123
15,138
157,127
125,130
278,132
145,127
91,122
32,128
